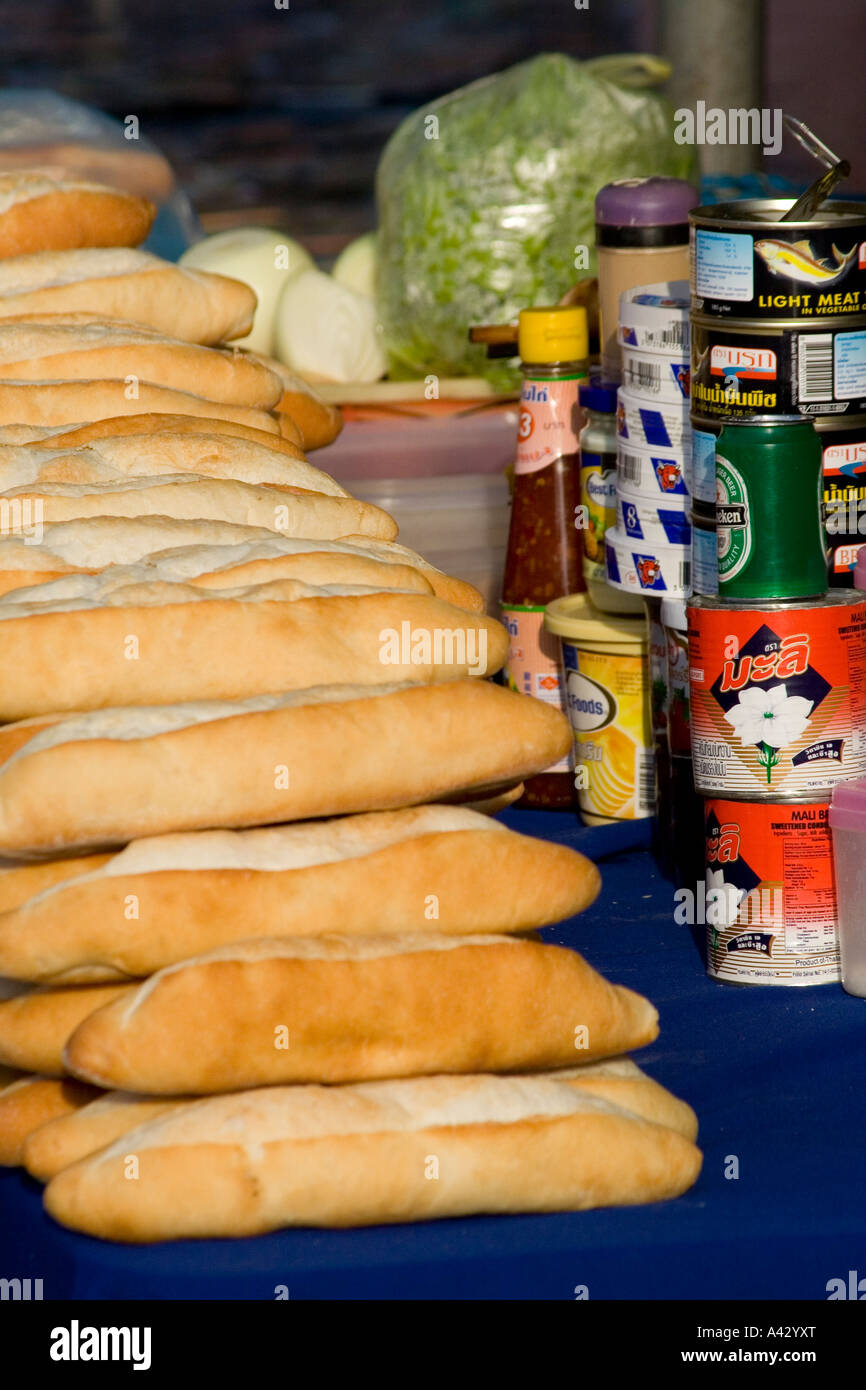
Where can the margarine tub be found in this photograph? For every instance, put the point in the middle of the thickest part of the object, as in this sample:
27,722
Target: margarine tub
608,698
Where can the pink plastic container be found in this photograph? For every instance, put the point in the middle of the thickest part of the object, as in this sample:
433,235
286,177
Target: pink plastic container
848,823
860,569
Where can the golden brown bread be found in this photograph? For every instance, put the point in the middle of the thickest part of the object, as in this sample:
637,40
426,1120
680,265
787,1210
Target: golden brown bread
359,1155
57,1143
35,1025
115,775
122,283
311,1009
620,1081
33,1101
129,426
38,213
166,899
21,881
318,420
70,402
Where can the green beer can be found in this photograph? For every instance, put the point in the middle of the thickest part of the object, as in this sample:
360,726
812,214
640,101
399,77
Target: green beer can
768,510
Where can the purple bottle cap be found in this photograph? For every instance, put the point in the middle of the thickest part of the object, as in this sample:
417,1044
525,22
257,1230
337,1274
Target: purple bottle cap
644,212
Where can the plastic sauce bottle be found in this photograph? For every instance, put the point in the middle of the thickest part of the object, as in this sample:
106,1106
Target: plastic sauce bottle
598,494
544,559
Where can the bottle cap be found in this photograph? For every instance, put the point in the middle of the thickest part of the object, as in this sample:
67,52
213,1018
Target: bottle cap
598,395
559,333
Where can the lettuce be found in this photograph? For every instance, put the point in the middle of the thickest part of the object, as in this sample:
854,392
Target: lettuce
484,195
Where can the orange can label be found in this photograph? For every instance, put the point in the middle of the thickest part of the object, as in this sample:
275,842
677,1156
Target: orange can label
778,697
770,893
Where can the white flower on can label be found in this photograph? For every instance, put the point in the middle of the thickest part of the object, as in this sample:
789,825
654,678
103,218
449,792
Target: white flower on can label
770,718
723,899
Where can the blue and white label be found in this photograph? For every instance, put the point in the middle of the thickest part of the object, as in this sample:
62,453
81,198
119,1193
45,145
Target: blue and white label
703,475
724,266
705,561
849,365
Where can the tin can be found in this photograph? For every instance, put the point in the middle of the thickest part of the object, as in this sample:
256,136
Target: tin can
743,369
608,701
642,567
770,903
655,318
652,425
643,520
656,474
705,555
778,695
701,468
844,487
747,264
768,510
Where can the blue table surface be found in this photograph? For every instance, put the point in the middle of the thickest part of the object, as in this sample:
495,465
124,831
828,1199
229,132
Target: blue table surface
777,1077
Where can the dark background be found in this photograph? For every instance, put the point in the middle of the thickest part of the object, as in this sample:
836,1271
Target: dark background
287,110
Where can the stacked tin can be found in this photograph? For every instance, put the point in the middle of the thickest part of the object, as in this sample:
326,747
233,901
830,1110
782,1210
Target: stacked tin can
649,550
777,664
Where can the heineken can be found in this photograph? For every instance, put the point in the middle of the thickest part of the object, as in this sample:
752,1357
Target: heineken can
769,531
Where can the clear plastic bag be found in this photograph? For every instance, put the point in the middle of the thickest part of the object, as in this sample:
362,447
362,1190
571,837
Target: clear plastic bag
484,196
68,140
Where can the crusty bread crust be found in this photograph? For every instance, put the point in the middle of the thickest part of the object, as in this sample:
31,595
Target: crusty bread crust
40,214
35,1026
34,1101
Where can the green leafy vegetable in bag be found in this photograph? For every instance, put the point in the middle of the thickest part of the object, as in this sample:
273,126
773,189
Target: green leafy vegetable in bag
485,195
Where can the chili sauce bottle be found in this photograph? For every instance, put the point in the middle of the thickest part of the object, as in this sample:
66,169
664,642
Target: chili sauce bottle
544,559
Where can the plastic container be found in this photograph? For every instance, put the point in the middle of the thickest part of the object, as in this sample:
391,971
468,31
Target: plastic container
640,520
598,477
651,473
848,824
860,569
606,669
655,318
459,524
653,425
655,376
647,567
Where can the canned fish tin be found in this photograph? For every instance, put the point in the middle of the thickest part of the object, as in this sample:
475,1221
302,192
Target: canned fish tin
649,521
744,369
778,695
652,425
646,568
701,468
656,474
768,510
844,474
655,375
705,556
771,910
655,317
747,264
608,700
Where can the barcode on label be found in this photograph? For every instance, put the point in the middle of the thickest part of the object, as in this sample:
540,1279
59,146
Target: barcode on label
685,574
645,780
646,374
667,338
628,468
815,367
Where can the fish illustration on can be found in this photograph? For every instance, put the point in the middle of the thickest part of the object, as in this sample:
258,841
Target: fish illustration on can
796,260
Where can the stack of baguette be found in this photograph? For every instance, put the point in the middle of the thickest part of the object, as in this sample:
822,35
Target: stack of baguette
268,962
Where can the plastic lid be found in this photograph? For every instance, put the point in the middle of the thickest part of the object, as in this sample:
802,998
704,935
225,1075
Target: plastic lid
860,569
848,806
558,333
598,395
651,202
673,614
577,620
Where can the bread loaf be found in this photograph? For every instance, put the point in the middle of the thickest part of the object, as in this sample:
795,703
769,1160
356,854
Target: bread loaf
38,213
21,881
389,871
115,775
444,585
361,1155
31,1102
131,426
122,638
35,1025
188,498
620,1081
69,402
120,283
57,1143
318,420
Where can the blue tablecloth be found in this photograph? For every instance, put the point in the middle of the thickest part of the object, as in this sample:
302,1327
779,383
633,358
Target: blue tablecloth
777,1077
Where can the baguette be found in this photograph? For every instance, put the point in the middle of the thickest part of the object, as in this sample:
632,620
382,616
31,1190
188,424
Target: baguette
116,775
204,566
38,213
69,402
362,1155
318,420
444,585
35,1025
120,283
620,1081
268,1012
122,638
80,347
72,1137
19,882
31,1102
385,872
188,498
127,426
